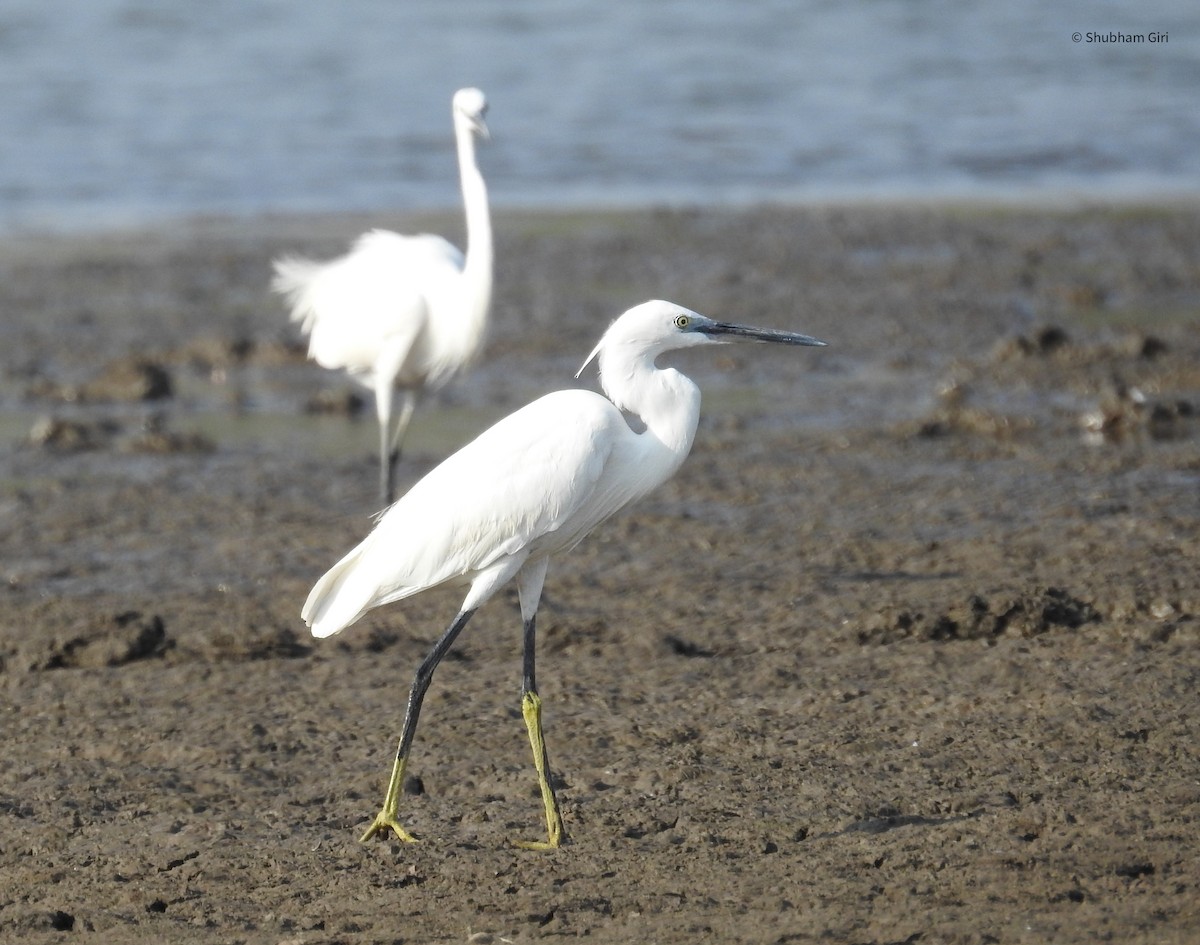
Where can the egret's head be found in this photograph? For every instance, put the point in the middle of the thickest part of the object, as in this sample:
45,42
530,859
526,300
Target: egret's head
470,105
653,327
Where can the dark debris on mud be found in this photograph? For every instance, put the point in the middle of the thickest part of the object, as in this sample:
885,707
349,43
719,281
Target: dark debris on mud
1028,614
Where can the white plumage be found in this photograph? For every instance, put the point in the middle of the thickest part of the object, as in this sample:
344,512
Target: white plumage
402,312
471,519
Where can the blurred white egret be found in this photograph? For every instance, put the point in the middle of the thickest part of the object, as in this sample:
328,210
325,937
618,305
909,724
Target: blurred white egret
529,487
402,312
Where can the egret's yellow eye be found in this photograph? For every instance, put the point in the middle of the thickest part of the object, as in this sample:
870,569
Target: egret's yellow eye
682,321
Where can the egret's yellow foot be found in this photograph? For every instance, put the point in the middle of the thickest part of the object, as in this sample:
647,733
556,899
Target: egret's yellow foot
387,818
531,709
536,844
384,822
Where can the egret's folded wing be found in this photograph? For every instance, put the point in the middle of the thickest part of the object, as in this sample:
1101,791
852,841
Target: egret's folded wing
533,475
520,480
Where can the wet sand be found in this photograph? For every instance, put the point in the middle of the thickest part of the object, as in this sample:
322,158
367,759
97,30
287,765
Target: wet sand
907,652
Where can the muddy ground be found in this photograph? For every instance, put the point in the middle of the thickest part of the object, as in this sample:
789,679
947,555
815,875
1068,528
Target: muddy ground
907,652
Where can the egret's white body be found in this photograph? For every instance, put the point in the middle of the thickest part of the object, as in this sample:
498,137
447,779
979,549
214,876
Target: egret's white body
402,313
531,486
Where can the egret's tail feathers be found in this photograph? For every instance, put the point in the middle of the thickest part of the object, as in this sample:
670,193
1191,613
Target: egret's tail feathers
337,599
293,278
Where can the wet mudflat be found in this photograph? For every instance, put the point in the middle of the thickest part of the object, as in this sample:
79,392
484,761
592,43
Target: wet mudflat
907,652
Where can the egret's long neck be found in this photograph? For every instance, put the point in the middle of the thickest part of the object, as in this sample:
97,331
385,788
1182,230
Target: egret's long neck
665,400
477,270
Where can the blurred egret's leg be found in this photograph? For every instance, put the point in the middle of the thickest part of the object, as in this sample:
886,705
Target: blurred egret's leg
391,450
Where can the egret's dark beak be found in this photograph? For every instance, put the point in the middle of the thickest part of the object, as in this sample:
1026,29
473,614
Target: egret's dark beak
724,330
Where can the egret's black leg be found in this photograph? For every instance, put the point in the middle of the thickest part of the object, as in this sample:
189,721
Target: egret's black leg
529,661
531,710
387,818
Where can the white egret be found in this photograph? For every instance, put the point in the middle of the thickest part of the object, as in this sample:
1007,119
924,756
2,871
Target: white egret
531,486
402,313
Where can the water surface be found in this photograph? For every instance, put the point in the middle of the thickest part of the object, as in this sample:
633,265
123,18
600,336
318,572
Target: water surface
130,111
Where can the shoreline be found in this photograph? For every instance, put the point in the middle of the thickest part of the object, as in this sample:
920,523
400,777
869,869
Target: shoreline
1064,201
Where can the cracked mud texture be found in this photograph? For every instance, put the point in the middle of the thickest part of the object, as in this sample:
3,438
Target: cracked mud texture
907,651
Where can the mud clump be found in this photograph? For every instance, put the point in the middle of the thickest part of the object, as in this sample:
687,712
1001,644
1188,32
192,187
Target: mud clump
113,641
57,433
151,435
1029,614
341,402
131,379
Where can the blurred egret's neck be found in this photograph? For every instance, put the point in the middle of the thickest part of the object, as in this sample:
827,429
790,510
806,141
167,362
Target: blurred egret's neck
477,270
